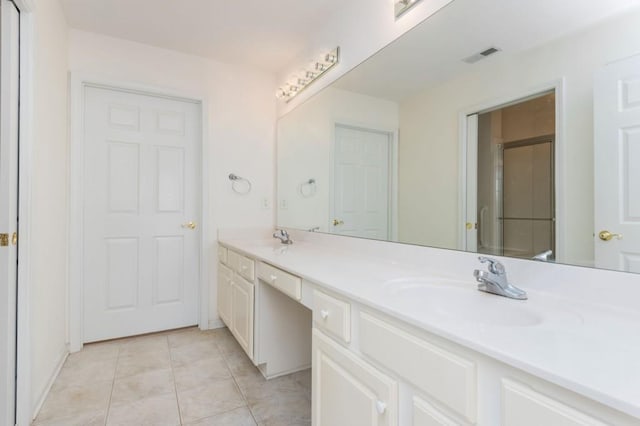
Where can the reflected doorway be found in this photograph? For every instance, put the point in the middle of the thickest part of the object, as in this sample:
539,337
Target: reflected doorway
361,183
512,201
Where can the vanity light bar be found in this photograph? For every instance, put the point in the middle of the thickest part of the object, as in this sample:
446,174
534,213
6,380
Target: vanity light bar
402,6
297,83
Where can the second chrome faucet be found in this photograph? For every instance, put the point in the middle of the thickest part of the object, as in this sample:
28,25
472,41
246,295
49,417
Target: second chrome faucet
495,281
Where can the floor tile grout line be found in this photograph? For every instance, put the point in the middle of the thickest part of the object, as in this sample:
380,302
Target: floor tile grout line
235,380
113,385
175,384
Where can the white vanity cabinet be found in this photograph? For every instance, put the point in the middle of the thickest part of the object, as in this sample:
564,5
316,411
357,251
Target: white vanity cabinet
523,406
236,292
370,367
445,376
347,390
225,286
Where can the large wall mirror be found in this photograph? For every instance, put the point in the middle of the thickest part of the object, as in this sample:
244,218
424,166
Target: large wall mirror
501,127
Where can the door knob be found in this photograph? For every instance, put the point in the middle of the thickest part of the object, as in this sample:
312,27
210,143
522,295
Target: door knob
190,225
608,236
337,222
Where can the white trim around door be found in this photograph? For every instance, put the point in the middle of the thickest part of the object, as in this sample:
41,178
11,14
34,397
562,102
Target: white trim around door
78,84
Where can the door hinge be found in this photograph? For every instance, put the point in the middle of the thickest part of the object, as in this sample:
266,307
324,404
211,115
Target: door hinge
4,240
14,239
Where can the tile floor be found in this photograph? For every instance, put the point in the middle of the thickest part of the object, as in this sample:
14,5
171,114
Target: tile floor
182,377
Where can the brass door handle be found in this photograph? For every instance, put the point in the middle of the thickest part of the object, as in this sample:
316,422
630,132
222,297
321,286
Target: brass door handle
337,222
608,236
190,225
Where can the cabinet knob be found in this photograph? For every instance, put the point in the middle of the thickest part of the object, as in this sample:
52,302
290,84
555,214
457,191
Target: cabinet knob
381,407
324,314
273,277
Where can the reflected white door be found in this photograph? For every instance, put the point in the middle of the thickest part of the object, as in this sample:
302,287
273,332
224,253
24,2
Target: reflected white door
141,186
471,211
361,183
9,106
617,164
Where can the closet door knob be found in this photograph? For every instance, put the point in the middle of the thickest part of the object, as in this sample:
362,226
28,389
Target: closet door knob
381,407
608,236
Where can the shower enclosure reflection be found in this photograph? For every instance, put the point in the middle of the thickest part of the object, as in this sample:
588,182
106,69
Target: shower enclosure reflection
515,179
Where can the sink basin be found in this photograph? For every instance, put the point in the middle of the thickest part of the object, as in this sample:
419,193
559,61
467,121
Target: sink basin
454,300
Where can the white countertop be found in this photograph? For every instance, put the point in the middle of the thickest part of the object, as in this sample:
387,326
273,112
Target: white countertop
590,348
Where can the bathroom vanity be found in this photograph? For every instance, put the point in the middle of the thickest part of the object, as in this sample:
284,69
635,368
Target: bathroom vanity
399,335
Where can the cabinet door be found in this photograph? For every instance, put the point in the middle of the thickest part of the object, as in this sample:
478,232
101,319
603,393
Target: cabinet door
225,277
242,313
523,406
349,391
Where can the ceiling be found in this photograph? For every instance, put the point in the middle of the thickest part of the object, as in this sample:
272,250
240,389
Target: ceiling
262,34
433,51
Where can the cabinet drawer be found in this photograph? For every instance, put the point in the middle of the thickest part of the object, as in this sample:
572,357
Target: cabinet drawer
241,264
285,282
523,406
332,315
222,254
443,375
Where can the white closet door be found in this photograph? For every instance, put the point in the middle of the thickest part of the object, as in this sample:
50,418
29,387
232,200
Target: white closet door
142,186
9,121
616,160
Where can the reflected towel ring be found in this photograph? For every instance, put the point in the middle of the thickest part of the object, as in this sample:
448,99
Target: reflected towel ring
308,188
235,179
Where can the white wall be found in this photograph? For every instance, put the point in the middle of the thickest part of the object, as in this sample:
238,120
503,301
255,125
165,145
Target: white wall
429,124
360,28
49,197
305,150
241,120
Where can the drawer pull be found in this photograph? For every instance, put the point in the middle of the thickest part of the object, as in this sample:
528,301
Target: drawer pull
273,277
381,407
324,314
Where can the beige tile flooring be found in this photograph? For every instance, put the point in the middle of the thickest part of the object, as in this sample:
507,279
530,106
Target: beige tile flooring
181,377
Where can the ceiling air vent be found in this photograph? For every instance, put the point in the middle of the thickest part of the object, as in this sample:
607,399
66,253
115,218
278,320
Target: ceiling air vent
481,55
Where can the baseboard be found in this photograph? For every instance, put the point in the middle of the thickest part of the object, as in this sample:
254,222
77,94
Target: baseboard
40,401
262,368
216,323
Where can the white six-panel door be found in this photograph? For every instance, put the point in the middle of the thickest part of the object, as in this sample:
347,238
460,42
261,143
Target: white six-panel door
141,191
9,124
617,165
361,183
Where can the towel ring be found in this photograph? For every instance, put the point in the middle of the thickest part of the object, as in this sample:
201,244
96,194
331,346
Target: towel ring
308,188
235,179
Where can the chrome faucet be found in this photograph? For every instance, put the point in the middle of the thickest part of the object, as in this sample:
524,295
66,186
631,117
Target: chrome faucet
495,280
283,236
545,256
